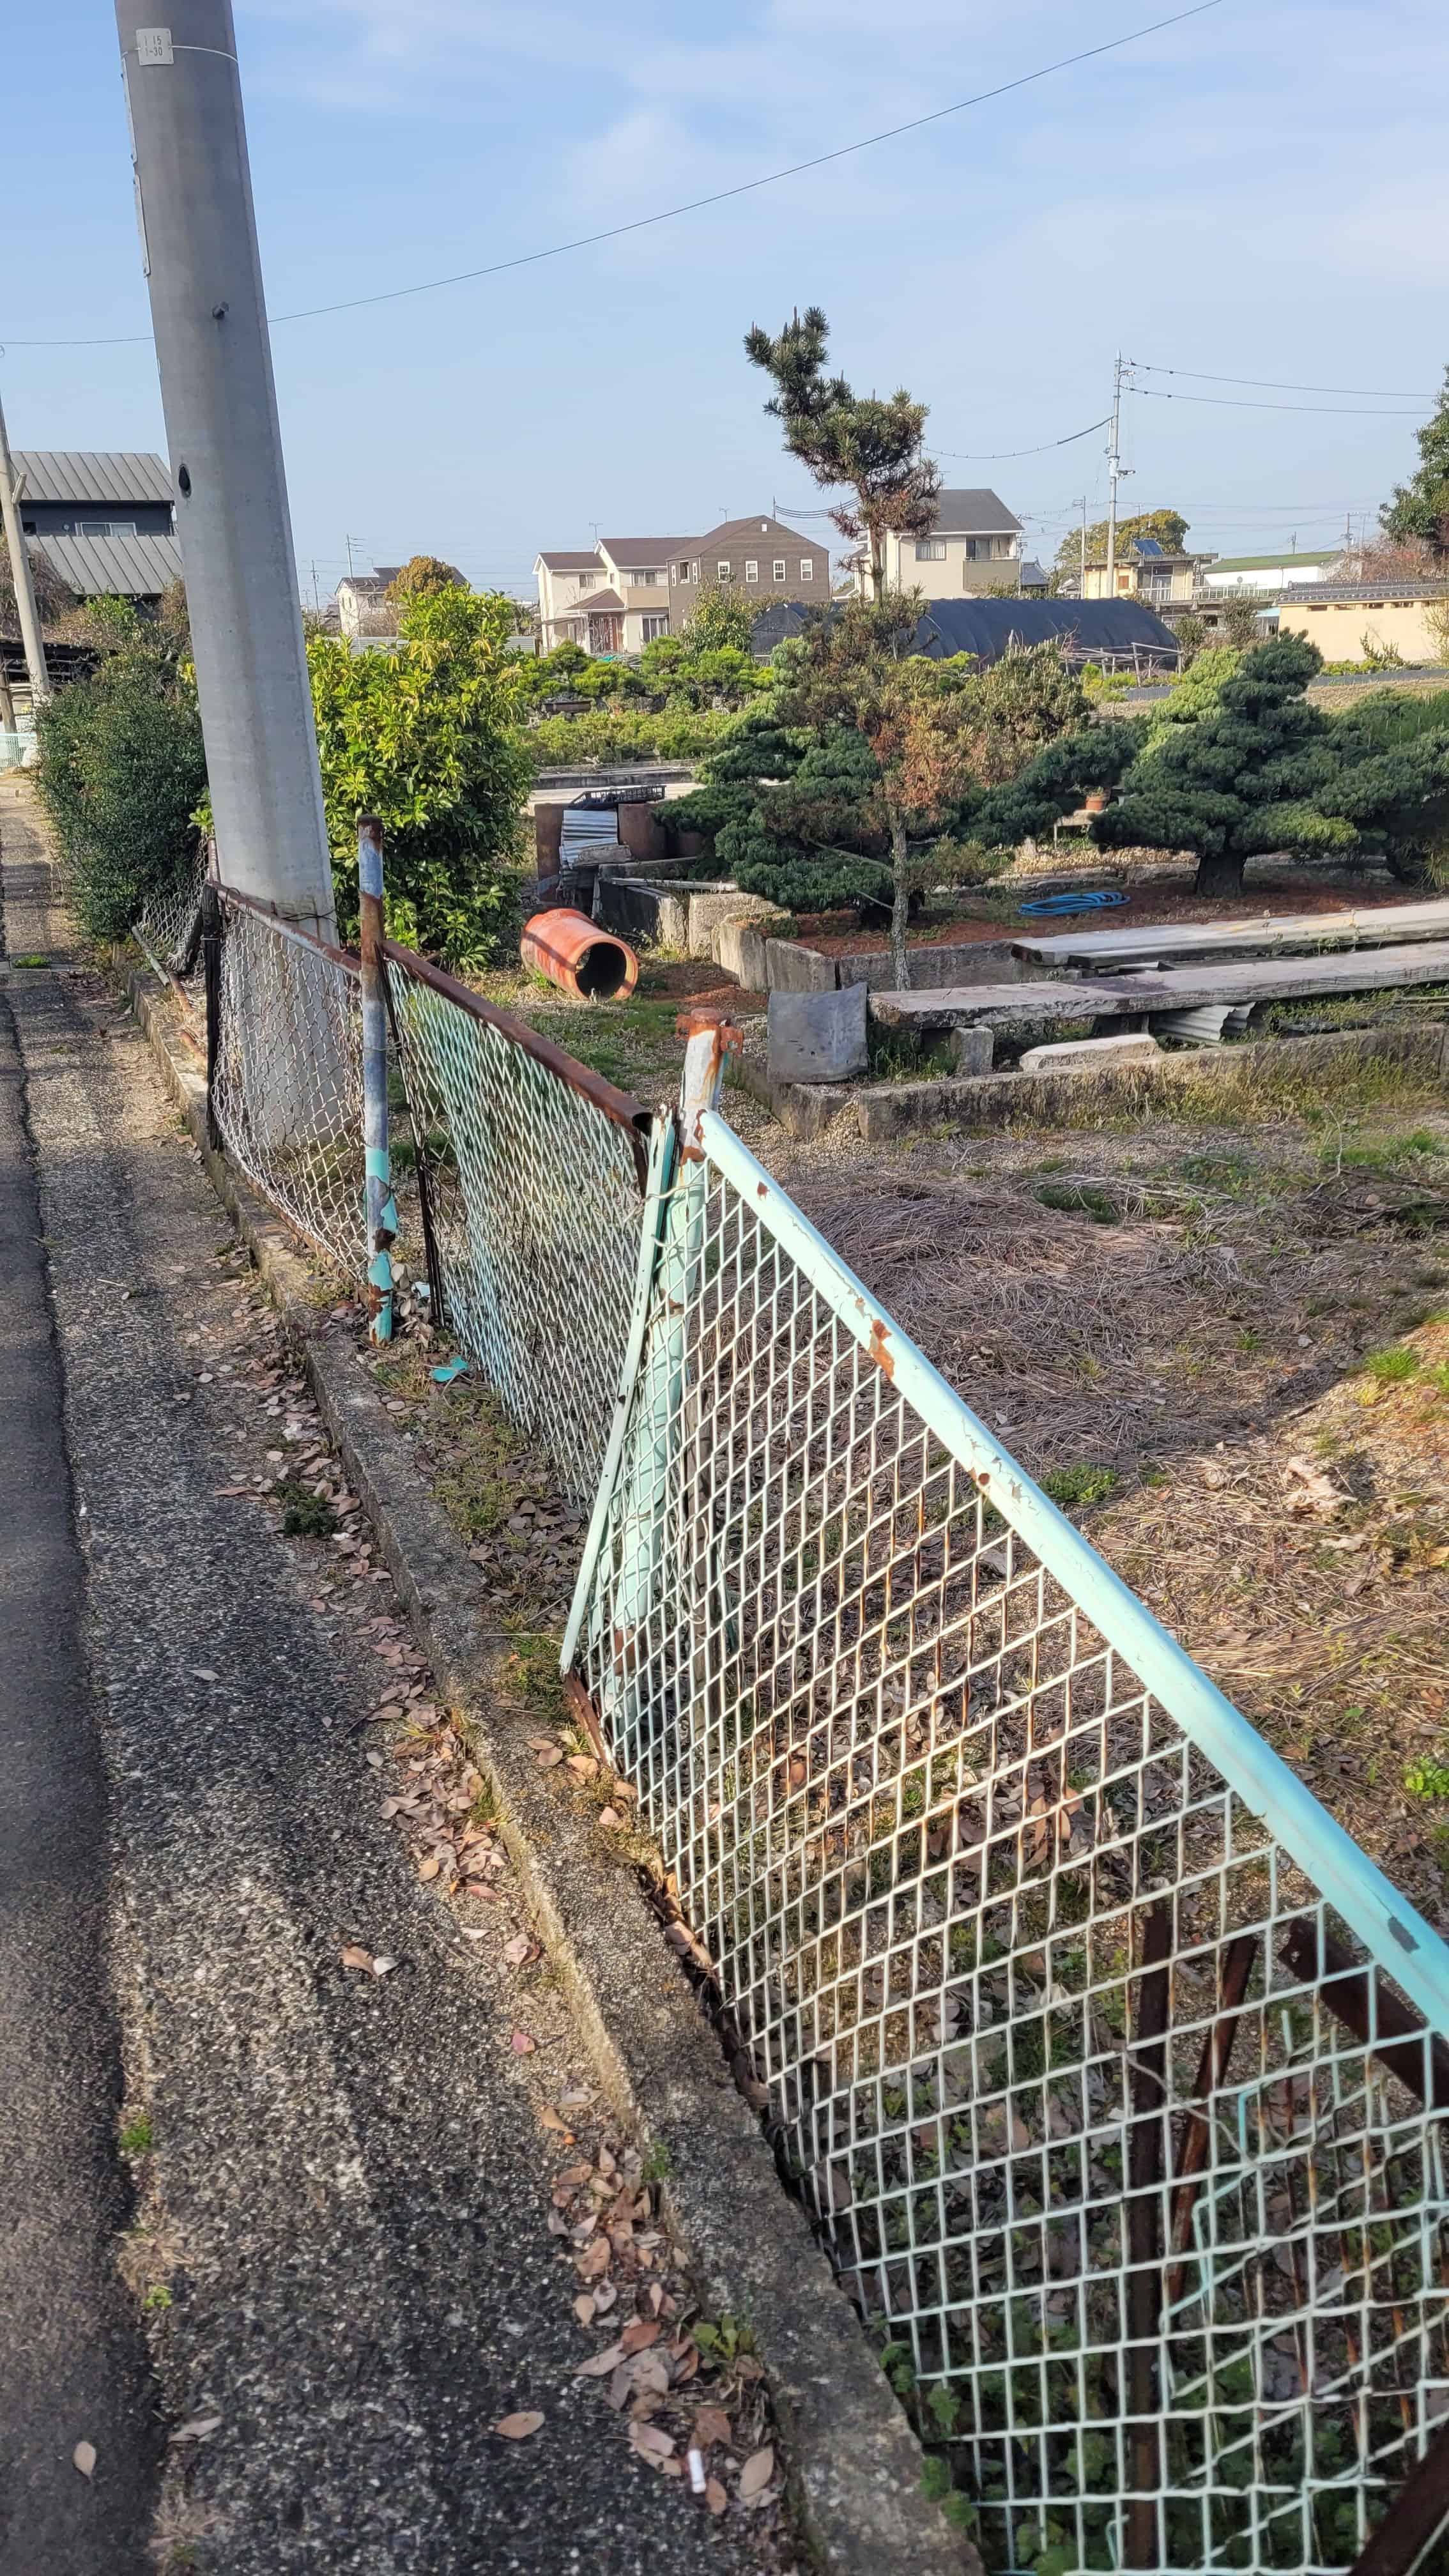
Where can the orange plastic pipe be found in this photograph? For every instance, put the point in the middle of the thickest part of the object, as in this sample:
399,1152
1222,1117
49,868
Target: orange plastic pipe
581,959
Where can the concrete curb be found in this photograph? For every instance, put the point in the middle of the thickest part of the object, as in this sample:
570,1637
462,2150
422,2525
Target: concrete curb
856,2463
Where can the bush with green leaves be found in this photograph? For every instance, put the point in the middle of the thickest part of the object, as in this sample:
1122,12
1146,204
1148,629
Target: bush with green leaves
428,738
1238,763
122,772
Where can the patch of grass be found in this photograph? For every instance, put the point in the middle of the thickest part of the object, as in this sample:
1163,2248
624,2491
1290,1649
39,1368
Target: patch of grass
304,1514
136,2138
1392,1365
1078,1198
658,2164
1426,1778
896,1055
1073,1488
30,961
1438,1378
1249,1340
157,2298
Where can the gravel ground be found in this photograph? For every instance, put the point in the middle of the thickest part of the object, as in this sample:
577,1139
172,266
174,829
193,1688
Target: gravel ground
343,2244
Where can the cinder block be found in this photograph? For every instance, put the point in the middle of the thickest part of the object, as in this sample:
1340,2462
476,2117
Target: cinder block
1065,1055
972,1050
817,1037
791,968
738,947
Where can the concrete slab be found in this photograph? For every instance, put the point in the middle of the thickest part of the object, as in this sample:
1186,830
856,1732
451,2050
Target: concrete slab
1061,1054
817,1037
707,911
790,967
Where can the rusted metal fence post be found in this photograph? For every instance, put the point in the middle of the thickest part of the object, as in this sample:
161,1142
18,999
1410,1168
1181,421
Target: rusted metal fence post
381,1205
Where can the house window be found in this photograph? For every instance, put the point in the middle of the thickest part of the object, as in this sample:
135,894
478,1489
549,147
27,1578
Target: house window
647,577
722,572
105,527
807,569
752,571
975,549
684,572
931,550
777,568
651,628
1001,549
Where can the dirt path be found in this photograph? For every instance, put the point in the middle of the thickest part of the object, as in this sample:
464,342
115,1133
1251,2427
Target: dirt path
349,2252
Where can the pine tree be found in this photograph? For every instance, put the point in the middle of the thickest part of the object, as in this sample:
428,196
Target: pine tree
1420,507
841,437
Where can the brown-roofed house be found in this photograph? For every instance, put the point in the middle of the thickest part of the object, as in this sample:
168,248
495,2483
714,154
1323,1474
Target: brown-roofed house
629,590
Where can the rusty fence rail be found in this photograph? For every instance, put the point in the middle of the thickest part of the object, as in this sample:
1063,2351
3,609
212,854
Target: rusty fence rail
1112,2071
519,1173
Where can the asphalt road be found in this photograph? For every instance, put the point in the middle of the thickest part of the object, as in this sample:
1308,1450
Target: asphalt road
348,2197
73,2364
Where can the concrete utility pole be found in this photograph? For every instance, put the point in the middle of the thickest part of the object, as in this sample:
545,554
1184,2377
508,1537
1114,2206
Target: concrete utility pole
21,575
199,252
1082,580
1114,473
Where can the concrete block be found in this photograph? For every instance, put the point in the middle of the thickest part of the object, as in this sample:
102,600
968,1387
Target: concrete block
791,968
966,961
817,1037
972,1050
706,911
674,920
1063,1055
738,947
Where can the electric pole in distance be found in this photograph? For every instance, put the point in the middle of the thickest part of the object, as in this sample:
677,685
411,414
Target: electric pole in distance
21,575
199,252
1114,471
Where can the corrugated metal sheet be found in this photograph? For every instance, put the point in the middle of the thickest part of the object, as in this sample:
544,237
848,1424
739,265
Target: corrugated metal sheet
114,567
86,474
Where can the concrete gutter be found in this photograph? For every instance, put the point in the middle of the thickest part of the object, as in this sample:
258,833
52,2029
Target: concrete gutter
856,2464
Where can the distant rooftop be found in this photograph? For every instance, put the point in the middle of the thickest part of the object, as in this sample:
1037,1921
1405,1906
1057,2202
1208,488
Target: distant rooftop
114,567
974,514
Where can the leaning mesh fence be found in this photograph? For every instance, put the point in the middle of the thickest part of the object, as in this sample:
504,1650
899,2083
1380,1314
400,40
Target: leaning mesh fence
1070,2004
169,930
533,1169
287,1084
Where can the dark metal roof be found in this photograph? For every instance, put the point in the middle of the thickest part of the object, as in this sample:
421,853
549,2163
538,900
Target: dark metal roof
644,550
565,562
988,627
114,567
973,514
84,474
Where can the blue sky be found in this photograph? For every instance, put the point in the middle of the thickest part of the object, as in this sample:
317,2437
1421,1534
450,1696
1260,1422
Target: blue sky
1262,192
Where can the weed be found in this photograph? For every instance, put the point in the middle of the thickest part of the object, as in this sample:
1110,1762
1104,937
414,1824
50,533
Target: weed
136,2137
304,1514
157,2298
658,2165
30,961
1074,1487
1392,1365
1426,1778
1078,1198
1438,1378
1249,1340
723,2340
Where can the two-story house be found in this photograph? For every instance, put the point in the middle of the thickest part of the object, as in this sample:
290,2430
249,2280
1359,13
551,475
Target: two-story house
105,519
363,606
628,590
1146,570
974,546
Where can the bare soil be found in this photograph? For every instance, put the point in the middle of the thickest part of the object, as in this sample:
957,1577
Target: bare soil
998,915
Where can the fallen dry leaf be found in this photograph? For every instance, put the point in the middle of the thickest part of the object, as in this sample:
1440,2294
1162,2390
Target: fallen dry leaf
516,1951
712,2424
197,2428
547,1760
594,2260
605,2295
715,2497
756,2474
383,1967
652,2440
353,1957
599,2364
522,2045
517,2428
639,2336
551,2120
431,1866
584,2308
84,2456
609,1816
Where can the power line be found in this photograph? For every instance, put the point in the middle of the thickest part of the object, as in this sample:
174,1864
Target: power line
693,205
1269,384
999,455
1316,411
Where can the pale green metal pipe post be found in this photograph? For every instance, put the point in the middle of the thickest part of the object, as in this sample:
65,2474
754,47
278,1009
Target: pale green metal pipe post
381,1205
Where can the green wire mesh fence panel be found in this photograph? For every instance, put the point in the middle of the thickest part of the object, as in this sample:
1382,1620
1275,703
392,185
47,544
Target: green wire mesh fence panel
287,1090
535,1202
1119,2133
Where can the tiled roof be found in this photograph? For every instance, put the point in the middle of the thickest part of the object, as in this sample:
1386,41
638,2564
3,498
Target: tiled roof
564,562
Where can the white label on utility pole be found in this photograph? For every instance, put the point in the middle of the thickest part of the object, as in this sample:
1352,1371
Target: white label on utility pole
153,45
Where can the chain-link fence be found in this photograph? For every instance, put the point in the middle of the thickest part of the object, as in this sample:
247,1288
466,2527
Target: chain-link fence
532,1168
286,1084
1096,2047
169,930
